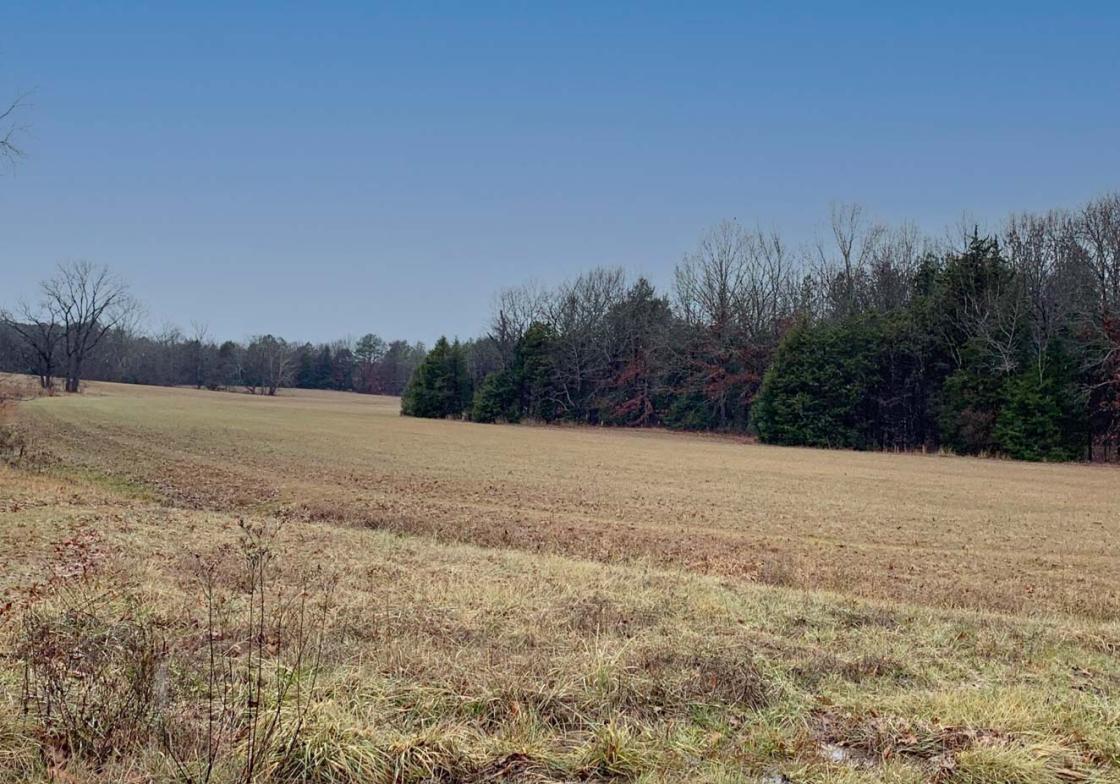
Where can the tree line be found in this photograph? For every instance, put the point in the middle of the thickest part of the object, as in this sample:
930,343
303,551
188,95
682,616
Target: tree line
878,338
83,327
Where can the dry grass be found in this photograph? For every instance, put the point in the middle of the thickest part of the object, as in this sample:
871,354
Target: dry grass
948,532
479,661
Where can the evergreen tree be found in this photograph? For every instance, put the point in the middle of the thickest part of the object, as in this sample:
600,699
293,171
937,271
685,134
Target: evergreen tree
534,373
440,387
641,323
305,366
821,389
969,403
525,388
497,399
1042,414
974,303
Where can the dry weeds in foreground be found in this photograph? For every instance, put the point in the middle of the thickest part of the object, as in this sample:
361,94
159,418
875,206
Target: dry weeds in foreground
447,662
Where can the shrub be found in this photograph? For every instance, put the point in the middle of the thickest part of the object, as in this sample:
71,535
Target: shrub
104,682
1038,420
497,399
258,691
13,444
819,390
94,659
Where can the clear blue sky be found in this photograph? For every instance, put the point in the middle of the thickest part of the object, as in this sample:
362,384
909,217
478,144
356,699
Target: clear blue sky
324,169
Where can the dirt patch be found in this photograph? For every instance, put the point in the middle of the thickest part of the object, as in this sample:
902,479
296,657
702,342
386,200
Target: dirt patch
813,670
872,738
679,681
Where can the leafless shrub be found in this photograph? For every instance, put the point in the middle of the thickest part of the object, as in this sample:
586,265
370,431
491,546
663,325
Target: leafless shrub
103,680
93,659
13,444
260,663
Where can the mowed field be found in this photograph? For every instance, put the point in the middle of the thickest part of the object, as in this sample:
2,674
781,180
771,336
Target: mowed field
931,530
515,603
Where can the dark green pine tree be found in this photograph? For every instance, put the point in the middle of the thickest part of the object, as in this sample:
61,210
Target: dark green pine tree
524,389
441,386
1042,413
980,279
821,389
305,367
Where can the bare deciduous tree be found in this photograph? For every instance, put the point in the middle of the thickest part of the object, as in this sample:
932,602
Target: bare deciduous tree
198,356
709,282
88,301
514,311
844,270
1098,230
269,364
583,348
893,265
41,336
733,294
10,130
1043,253
768,296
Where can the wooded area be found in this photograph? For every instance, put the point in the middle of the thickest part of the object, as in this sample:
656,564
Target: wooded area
879,339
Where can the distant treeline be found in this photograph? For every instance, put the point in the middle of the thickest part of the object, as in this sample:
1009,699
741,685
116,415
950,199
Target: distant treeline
262,364
80,328
880,338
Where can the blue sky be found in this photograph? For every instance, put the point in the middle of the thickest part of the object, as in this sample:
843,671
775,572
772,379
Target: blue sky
327,169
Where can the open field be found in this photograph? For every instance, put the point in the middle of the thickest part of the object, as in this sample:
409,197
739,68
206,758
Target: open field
546,604
948,532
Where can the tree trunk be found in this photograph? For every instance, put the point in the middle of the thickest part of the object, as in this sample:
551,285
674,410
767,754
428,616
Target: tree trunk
73,376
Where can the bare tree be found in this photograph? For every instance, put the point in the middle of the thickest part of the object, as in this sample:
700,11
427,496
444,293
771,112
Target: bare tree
88,301
269,364
10,130
709,282
1043,252
198,357
41,336
893,265
844,270
995,316
584,348
733,295
768,297
514,311
1098,231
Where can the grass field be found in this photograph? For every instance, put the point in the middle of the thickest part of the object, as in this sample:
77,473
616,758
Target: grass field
555,604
